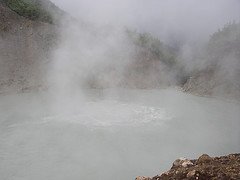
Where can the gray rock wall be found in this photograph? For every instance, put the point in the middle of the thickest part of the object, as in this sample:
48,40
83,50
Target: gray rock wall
25,51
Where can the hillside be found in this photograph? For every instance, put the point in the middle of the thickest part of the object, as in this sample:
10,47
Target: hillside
39,10
29,31
148,63
24,52
155,63
221,75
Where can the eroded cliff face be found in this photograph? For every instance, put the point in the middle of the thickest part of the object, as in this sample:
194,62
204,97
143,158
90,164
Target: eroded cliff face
25,51
27,46
212,82
221,74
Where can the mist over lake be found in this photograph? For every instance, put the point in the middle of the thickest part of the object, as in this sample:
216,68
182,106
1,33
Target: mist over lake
117,90
111,134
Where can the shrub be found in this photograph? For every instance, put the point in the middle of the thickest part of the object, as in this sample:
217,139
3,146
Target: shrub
30,9
155,48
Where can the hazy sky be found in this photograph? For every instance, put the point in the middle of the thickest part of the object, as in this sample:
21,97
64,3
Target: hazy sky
192,18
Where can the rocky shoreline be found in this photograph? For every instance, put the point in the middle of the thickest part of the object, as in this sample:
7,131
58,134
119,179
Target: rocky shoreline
203,168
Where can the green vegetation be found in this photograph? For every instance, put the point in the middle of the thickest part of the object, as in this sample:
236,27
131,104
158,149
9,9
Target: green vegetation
225,42
153,47
31,9
220,71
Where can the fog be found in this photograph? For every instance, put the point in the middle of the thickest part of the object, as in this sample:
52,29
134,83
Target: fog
99,42
113,110
111,135
190,19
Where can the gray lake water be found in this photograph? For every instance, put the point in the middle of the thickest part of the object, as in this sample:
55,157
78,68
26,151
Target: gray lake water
110,134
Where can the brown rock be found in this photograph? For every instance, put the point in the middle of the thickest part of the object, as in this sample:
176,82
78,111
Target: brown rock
205,168
191,174
182,162
204,159
142,178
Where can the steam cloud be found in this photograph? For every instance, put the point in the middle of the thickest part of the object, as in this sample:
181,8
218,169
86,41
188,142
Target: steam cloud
165,19
97,52
73,132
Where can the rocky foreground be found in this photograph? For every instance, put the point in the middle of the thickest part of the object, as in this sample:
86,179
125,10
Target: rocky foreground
204,168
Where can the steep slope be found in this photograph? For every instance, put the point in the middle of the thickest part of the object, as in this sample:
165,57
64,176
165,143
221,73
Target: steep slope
221,75
40,10
29,31
138,60
25,47
154,64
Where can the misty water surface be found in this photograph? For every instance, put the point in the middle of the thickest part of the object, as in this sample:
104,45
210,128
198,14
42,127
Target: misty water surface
110,134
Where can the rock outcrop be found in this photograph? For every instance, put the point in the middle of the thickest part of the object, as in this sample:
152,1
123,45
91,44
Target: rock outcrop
220,73
203,168
25,47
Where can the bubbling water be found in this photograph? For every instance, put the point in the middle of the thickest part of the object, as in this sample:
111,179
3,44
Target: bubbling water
111,134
